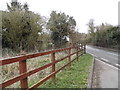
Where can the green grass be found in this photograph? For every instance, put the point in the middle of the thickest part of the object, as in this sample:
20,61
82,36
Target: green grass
75,77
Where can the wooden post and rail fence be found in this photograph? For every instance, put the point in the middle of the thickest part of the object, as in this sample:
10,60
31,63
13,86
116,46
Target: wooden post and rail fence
24,74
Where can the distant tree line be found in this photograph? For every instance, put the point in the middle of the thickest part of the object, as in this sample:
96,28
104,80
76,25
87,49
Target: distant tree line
104,35
24,30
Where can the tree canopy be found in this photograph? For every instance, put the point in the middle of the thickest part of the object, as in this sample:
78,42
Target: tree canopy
20,27
60,26
104,35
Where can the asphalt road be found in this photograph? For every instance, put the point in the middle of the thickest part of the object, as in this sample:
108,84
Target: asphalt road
110,57
106,68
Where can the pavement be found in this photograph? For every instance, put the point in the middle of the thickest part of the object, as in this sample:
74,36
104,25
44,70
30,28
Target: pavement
104,75
106,68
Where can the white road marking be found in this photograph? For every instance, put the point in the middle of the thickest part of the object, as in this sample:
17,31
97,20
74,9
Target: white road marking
108,64
117,64
112,53
105,59
93,55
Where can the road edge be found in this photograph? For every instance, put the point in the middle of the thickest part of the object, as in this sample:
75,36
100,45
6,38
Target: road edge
90,79
105,48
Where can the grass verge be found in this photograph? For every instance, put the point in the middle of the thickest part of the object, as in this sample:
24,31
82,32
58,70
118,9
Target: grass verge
75,77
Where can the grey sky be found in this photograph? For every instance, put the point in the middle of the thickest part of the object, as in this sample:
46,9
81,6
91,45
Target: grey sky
102,11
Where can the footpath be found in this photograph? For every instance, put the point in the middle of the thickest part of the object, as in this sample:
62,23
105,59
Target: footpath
104,75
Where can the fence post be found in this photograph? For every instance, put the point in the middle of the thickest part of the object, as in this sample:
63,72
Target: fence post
84,49
53,65
69,58
77,52
23,69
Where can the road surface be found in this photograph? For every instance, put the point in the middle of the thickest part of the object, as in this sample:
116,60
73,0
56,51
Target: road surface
106,68
105,55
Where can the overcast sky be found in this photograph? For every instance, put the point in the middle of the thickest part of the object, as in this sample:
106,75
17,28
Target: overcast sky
102,11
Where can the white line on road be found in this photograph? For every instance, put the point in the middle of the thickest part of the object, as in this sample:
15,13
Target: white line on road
93,55
105,62
117,64
108,64
112,53
105,59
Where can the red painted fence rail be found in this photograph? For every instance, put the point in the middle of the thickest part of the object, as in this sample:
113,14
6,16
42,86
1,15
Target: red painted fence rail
24,74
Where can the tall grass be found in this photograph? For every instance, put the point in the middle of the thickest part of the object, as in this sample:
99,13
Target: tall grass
11,70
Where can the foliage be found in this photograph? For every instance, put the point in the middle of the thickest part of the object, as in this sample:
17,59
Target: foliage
20,28
104,35
45,41
60,25
15,6
77,38
91,30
